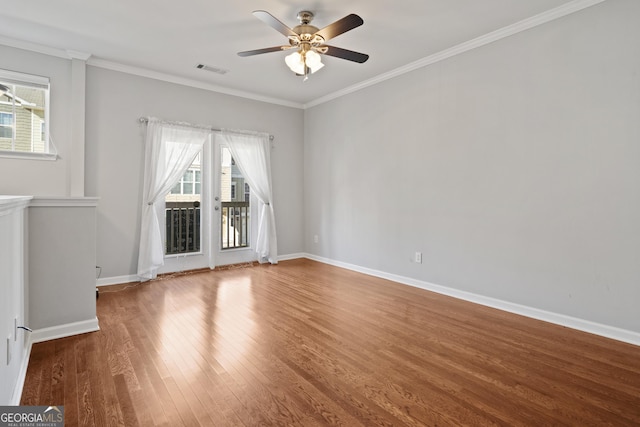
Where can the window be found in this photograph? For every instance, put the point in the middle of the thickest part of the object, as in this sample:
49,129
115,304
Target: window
190,183
247,192
24,116
6,125
233,191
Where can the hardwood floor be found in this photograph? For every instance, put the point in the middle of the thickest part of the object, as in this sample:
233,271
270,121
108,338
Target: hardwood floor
303,343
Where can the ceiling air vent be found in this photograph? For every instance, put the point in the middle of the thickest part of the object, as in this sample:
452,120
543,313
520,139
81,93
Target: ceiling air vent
212,69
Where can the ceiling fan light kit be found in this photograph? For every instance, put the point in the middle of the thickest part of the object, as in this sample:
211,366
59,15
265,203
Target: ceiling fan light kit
309,42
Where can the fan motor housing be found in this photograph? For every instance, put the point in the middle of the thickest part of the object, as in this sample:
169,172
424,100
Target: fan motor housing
305,16
305,31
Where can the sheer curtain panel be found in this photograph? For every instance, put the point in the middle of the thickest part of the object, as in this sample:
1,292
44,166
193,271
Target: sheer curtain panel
169,150
252,153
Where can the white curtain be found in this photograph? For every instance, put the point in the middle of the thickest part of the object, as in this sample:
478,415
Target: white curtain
169,151
252,153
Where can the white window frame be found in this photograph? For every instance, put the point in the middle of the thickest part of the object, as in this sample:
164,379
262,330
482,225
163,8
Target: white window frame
8,77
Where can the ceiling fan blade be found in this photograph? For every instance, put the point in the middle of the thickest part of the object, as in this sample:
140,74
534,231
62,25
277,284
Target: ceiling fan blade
265,50
349,55
341,26
273,22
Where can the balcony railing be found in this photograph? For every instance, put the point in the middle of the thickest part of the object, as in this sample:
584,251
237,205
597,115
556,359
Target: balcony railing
183,226
234,227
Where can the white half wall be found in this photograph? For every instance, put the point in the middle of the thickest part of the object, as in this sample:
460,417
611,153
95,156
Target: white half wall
512,168
13,341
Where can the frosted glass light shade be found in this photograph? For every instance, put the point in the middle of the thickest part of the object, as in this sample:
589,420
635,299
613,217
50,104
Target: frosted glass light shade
314,62
295,62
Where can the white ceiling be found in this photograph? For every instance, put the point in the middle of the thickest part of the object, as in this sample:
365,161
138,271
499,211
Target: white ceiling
170,37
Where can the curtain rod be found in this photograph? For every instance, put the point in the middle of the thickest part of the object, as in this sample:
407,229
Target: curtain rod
146,120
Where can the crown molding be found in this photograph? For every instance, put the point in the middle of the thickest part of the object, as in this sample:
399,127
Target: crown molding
143,72
34,47
74,54
526,24
46,50
518,27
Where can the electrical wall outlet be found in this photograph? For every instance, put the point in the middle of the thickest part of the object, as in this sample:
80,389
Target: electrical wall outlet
418,257
315,238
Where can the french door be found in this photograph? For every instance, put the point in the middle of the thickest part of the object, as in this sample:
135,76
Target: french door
185,218
209,216
234,211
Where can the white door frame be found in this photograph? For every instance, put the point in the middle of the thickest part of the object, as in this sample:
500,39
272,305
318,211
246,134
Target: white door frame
202,259
229,256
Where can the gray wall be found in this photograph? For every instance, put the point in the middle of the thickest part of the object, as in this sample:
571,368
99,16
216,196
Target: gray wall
513,168
114,154
39,177
62,259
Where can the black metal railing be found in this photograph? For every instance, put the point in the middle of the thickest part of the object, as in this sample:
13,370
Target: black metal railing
182,227
183,233
234,227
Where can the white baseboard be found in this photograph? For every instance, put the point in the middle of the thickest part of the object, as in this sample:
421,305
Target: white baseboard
607,331
66,330
292,256
46,334
117,280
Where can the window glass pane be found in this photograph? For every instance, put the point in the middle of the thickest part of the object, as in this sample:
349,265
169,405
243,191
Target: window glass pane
6,119
183,232
23,113
6,125
235,220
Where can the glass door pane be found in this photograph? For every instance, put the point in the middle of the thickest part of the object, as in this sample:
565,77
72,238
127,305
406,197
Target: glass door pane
183,232
235,217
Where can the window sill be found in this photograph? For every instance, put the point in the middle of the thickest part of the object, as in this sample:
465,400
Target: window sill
27,155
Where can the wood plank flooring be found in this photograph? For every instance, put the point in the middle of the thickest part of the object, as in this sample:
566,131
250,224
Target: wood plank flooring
307,344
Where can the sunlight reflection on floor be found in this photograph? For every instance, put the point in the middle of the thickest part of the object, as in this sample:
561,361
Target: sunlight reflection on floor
214,323
233,321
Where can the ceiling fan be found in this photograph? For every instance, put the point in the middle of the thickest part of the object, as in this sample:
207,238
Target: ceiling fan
309,41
